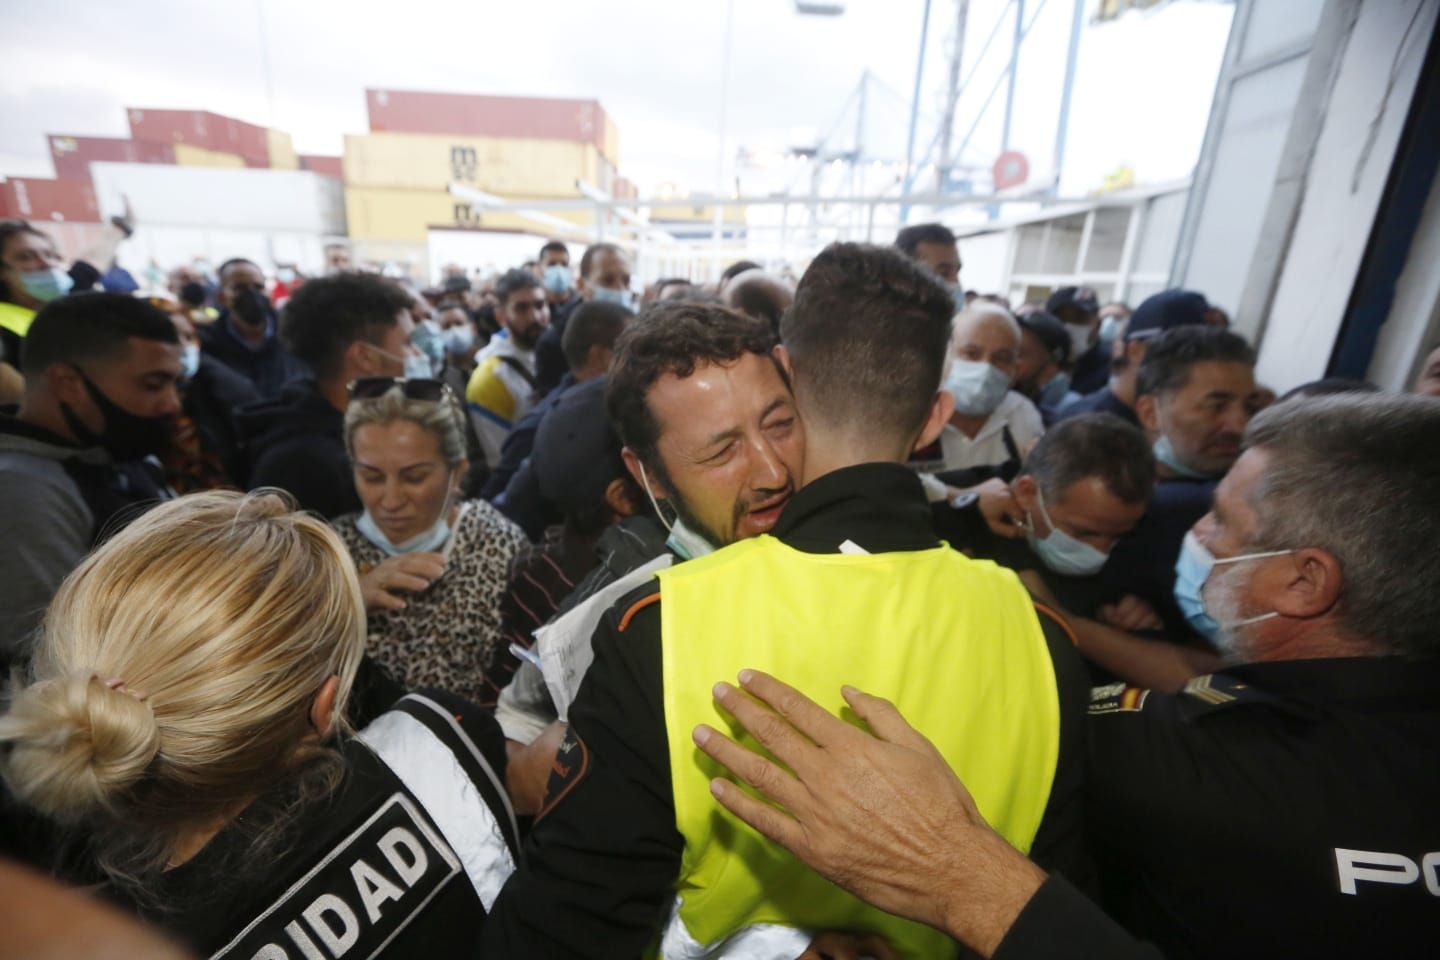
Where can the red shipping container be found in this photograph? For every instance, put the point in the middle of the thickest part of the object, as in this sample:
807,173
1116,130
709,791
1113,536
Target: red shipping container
315,163
48,200
72,156
200,128
463,114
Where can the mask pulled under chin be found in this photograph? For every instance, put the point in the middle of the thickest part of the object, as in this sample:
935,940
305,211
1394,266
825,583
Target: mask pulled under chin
126,436
427,541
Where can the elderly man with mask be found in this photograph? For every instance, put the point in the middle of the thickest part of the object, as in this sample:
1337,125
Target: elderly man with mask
1288,805
992,425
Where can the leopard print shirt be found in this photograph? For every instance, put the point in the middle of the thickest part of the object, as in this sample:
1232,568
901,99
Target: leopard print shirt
449,636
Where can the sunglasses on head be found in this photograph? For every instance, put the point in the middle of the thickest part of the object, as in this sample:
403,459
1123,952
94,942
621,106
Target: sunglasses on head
426,389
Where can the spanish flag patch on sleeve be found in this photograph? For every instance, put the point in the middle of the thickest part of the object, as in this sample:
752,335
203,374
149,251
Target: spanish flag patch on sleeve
1117,698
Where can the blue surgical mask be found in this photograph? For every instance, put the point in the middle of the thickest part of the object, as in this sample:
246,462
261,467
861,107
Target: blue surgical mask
1192,569
429,340
1061,552
189,360
957,294
1165,453
1110,329
46,285
977,387
417,367
557,278
1054,391
624,298
458,340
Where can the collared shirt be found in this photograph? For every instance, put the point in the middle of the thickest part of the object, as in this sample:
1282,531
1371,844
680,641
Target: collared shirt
1276,809
987,448
601,865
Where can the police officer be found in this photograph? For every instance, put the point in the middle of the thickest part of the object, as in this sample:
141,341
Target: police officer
186,694
850,585
1290,805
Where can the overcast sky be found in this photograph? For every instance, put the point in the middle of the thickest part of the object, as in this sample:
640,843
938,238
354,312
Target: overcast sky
1142,92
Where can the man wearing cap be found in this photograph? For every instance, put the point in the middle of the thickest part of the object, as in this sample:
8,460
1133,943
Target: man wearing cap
1156,315
1040,366
1079,310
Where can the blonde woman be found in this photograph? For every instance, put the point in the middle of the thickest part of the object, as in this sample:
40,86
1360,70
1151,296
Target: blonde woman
433,567
186,712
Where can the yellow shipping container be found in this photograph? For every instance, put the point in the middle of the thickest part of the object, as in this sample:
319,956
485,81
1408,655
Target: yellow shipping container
282,150
503,166
612,142
190,156
403,216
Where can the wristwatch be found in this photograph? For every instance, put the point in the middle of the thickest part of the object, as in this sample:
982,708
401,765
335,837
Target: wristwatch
964,501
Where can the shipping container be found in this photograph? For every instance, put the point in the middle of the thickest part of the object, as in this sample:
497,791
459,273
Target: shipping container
200,128
461,114
188,156
281,151
72,155
404,216
27,198
211,197
506,167
330,166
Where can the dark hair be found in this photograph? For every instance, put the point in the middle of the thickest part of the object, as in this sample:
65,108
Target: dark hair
233,262
1353,474
1167,363
554,245
735,269
327,314
592,324
756,298
663,284
1093,445
1327,387
868,335
13,228
512,282
89,327
908,240
587,259
1048,329
672,338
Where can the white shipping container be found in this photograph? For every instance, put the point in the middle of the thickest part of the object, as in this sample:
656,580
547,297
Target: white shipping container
210,198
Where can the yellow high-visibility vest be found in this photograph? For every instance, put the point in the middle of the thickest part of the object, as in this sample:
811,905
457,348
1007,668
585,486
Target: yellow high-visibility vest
16,319
955,643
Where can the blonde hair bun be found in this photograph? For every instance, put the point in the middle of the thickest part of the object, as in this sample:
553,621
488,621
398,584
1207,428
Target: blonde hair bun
75,743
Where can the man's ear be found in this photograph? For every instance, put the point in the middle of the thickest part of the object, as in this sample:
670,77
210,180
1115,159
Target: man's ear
322,708
359,360
1023,488
65,383
1308,585
1148,412
941,407
1134,352
782,357
642,476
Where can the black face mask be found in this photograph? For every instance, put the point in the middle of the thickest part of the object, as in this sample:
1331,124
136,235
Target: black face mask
252,307
125,436
192,294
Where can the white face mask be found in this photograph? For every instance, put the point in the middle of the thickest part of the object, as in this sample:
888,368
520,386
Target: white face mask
978,388
1079,339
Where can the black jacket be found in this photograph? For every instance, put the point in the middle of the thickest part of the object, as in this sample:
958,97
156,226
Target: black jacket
270,368
212,398
297,443
1282,809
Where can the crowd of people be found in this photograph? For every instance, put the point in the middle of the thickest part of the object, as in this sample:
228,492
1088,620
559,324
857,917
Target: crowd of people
864,616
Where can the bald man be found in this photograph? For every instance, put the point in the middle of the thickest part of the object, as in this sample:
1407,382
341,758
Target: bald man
760,296
992,425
